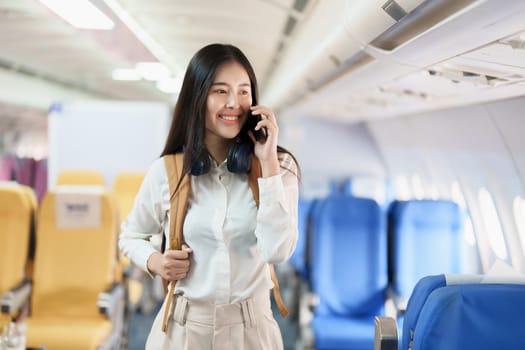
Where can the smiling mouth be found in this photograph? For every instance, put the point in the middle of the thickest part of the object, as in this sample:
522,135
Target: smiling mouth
229,118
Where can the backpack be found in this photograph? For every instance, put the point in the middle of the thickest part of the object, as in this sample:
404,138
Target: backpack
178,207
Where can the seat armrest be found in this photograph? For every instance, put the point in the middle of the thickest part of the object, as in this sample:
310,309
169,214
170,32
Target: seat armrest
112,304
307,304
15,298
399,303
127,271
385,335
109,300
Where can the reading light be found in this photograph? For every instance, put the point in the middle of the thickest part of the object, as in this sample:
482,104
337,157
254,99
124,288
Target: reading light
169,85
152,71
126,74
81,14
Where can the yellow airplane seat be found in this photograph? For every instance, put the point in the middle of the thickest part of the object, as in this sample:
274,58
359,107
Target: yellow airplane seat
126,187
75,302
33,202
80,177
17,207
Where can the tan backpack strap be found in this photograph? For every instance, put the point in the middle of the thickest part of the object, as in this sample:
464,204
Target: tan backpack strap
178,201
277,293
254,174
178,206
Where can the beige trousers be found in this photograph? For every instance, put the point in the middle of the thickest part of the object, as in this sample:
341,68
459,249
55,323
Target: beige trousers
247,325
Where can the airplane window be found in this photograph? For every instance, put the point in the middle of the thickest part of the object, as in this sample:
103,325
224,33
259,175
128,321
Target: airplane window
469,231
519,217
401,188
457,196
369,188
433,191
417,185
492,223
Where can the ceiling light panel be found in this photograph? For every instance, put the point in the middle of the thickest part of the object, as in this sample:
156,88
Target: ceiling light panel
178,26
80,14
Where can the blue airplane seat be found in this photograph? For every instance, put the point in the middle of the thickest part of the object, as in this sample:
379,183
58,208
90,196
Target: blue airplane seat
308,217
483,316
348,272
465,312
346,187
419,295
459,312
298,258
425,238
311,220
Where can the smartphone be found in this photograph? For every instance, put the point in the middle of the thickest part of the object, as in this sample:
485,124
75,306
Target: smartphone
251,122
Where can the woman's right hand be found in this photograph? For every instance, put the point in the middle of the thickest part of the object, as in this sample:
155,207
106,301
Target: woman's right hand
173,265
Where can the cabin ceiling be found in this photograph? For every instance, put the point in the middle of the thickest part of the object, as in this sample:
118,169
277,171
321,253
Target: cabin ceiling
39,45
313,58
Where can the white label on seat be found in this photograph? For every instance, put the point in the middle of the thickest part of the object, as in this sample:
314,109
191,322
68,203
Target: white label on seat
77,210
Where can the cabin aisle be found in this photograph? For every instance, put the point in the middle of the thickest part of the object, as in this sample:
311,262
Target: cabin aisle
140,324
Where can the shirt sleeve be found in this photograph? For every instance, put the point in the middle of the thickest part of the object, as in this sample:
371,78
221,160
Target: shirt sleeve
145,224
276,229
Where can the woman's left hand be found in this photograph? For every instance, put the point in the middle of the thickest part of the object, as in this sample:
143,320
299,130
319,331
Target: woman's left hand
266,149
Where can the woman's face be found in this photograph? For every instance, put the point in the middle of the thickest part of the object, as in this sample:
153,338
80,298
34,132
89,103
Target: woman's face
228,103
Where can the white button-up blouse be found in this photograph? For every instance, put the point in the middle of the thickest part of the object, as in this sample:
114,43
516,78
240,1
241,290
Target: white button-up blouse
232,240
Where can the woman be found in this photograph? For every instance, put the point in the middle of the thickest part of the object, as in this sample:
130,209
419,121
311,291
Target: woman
223,280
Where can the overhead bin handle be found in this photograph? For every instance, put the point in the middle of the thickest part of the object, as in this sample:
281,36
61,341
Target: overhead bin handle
426,16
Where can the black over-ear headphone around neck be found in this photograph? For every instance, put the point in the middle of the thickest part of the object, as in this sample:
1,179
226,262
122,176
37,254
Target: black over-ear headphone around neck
239,159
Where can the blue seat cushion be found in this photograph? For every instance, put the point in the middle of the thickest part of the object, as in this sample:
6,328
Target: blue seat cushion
426,239
476,316
299,258
418,298
333,333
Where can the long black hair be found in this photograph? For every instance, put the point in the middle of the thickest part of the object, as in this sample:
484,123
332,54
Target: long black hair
189,117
